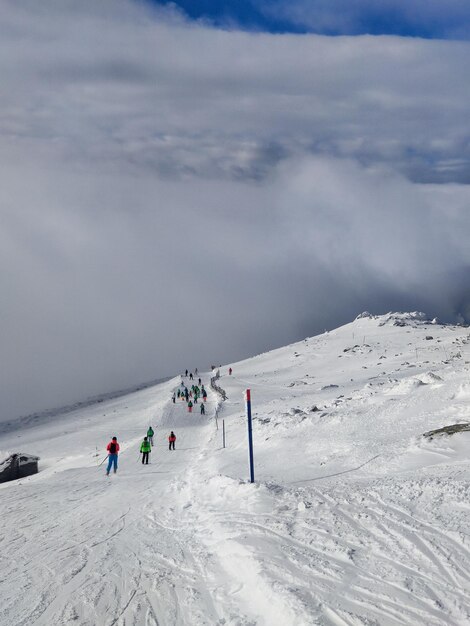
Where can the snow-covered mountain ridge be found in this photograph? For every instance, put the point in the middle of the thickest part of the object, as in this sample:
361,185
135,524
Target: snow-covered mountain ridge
354,518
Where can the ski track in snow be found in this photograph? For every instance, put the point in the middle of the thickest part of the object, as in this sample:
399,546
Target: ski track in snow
364,525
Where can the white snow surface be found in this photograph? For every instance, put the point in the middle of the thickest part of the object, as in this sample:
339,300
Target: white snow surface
354,517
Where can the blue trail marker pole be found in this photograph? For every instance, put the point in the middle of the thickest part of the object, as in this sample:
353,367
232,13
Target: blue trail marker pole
250,434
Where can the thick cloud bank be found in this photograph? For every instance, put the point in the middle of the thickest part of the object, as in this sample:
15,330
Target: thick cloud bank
173,195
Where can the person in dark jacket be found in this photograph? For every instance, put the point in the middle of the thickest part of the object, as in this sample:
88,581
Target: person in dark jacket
171,440
145,450
150,435
203,410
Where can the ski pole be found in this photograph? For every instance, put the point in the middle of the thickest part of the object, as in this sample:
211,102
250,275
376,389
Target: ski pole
103,461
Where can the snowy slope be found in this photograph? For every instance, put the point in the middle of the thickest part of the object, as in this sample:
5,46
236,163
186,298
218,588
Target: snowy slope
354,518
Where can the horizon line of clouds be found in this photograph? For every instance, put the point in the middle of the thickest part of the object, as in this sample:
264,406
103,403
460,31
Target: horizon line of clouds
131,280
428,19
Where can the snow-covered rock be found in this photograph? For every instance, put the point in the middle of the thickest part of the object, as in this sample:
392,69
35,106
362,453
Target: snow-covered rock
18,465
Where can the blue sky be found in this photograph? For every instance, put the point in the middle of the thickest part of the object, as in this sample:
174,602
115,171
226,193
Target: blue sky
241,14
430,19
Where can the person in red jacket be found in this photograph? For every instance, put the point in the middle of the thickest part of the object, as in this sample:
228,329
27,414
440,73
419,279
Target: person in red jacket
113,450
172,439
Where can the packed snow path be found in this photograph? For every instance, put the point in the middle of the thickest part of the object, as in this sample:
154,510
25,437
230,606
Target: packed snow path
355,519
87,548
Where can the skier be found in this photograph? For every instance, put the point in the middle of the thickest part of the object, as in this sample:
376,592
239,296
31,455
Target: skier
113,450
145,449
199,381
178,393
186,373
186,394
195,371
229,371
173,398
171,439
203,410
190,376
150,434
190,407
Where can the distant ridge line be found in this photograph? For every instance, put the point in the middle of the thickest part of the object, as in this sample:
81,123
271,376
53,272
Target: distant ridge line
42,416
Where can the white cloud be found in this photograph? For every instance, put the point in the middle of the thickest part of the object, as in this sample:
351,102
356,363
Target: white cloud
174,195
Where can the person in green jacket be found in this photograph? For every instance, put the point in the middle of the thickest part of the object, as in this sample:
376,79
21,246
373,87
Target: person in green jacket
150,434
145,450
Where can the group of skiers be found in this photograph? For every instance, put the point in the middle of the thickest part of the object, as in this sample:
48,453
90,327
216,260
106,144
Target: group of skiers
185,394
145,449
189,395
147,444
